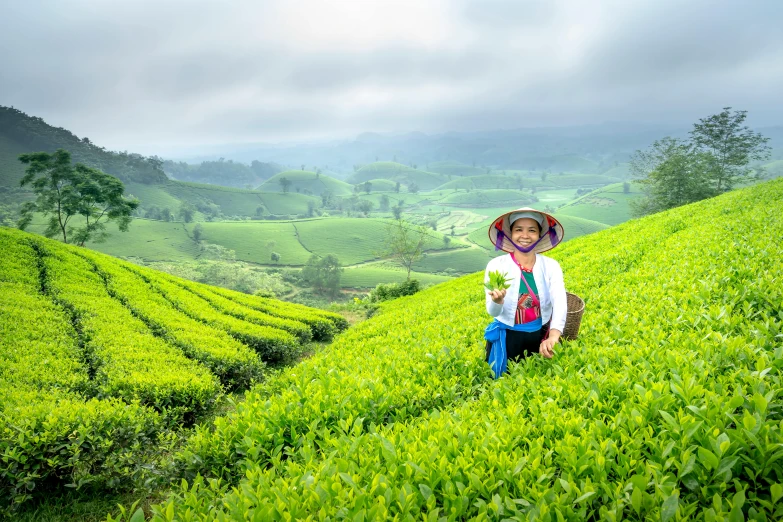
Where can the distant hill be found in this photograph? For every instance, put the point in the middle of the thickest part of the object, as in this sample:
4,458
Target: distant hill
21,133
398,172
223,172
608,204
307,182
454,168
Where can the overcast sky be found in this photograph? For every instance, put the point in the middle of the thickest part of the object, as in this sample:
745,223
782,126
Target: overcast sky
150,76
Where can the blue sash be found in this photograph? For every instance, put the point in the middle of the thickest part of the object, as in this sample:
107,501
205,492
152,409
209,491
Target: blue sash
496,334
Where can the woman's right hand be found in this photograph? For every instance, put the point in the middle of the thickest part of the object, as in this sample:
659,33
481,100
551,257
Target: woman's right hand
498,295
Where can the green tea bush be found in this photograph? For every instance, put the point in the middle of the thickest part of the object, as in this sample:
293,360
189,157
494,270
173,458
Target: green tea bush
226,306
49,435
323,324
272,344
386,291
128,361
666,407
236,365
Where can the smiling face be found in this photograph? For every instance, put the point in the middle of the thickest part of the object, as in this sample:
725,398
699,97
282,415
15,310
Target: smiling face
525,231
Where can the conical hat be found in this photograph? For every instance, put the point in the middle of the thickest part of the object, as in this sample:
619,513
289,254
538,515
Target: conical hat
551,236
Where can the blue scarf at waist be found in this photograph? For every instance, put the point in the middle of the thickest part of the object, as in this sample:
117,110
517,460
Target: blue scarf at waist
496,334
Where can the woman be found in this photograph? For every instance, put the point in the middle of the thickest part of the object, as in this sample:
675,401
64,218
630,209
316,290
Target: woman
530,315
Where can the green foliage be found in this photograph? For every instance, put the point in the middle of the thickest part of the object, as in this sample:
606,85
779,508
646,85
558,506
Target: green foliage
92,352
323,273
222,172
385,292
64,191
236,365
127,360
404,243
673,174
666,407
715,159
731,147
49,435
497,281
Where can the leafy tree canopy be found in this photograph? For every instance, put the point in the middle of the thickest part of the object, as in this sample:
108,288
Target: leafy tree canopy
66,190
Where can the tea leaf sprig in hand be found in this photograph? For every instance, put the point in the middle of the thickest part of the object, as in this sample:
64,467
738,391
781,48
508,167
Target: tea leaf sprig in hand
497,281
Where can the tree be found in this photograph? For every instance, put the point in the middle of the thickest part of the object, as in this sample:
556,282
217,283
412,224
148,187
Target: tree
626,187
198,231
405,243
285,183
452,229
367,187
397,187
413,188
186,211
732,146
364,206
326,198
64,190
275,257
310,208
165,214
672,174
397,211
323,273
446,241
384,203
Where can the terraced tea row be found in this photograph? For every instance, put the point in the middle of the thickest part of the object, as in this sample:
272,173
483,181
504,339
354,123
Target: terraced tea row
666,407
49,432
94,350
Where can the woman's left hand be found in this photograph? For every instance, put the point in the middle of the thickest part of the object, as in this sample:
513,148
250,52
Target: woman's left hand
547,345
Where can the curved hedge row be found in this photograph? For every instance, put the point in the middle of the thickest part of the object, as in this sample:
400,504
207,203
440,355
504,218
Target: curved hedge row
128,360
323,324
236,365
667,407
272,344
49,435
227,306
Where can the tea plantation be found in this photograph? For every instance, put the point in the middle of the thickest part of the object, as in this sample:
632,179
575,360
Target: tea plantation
667,407
99,357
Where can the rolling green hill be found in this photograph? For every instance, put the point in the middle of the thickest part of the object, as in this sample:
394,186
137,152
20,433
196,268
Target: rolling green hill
382,185
397,172
307,182
97,355
227,200
486,198
453,168
665,407
606,205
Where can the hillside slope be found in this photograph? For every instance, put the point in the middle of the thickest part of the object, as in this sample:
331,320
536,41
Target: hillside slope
20,133
86,335
307,182
398,172
668,404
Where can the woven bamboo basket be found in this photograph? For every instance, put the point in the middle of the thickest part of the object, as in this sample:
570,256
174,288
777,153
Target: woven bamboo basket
576,307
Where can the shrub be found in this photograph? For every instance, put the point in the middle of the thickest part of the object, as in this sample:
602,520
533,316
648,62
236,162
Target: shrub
386,291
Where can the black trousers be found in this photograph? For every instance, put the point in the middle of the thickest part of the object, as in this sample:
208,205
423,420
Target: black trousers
521,344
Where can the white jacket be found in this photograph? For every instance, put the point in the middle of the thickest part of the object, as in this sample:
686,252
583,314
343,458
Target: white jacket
549,283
